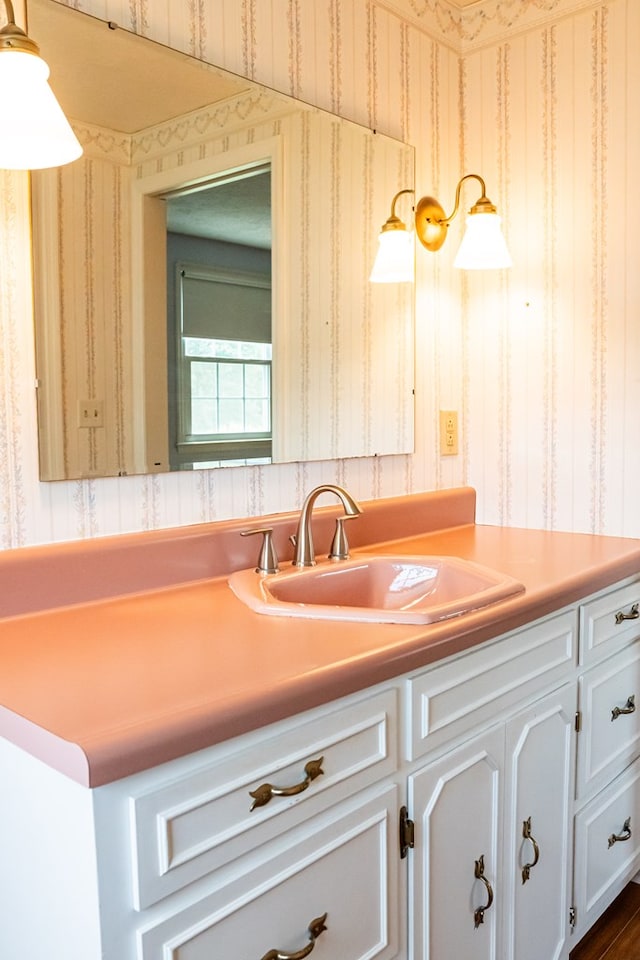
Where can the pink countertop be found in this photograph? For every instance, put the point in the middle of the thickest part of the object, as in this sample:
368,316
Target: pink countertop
150,656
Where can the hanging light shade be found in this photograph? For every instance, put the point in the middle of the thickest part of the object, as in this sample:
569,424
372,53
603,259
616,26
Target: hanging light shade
35,132
483,245
395,257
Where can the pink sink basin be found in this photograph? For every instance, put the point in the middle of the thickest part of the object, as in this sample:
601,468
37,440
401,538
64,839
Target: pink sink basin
380,589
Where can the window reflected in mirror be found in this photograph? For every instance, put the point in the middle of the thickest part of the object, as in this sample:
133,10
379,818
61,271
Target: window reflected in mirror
222,403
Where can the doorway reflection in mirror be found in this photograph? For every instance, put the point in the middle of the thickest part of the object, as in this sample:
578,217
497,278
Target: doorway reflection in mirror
219,320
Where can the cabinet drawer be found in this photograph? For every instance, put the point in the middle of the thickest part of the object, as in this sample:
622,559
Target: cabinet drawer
603,867
452,699
602,629
207,817
346,868
609,698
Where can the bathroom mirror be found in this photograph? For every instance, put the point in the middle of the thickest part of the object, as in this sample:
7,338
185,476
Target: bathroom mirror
162,343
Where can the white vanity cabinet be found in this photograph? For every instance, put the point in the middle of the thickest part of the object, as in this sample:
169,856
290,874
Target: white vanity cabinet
492,815
607,821
237,850
241,849
273,842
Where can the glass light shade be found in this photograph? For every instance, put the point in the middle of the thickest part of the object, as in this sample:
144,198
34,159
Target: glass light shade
35,131
395,257
483,246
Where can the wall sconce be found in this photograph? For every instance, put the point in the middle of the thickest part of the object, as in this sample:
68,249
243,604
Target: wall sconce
36,133
483,246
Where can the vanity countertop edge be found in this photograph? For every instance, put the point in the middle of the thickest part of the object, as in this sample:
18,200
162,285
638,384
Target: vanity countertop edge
153,657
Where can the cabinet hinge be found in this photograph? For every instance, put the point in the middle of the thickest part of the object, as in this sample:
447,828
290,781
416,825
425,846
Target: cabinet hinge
572,917
578,721
407,832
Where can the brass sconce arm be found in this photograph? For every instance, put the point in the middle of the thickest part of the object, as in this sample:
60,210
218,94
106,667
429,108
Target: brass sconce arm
431,221
482,205
394,222
12,37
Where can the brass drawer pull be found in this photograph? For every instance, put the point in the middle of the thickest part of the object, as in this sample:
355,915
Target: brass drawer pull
629,707
633,614
266,791
479,912
316,927
526,833
620,837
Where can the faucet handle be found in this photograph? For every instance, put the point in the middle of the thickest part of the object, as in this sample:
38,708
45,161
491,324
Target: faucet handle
268,559
340,545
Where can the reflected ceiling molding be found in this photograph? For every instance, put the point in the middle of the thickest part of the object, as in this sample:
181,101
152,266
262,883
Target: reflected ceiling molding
247,108
99,143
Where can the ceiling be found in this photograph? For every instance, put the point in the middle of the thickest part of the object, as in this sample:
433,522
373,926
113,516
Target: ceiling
151,85
234,211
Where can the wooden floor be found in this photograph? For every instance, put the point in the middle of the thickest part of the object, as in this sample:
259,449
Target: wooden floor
616,935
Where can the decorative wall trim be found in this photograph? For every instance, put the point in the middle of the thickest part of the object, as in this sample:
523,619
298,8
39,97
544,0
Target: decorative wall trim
489,22
242,111
102,144
495,20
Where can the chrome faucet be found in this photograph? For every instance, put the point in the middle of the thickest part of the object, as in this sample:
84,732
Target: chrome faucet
303,540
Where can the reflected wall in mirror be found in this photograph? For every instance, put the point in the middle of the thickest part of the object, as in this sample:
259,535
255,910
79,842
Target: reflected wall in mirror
123,386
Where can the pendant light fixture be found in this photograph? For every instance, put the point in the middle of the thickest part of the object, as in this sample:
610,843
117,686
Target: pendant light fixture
483,246
35,132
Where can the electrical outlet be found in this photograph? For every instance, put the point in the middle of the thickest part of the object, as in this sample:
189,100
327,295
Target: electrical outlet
448,433
90,413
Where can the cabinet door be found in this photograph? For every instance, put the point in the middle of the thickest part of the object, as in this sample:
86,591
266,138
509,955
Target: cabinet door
539,786
610,737
455,805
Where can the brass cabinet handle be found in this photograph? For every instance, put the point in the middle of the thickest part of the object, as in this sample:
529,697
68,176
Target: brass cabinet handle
526,833
479,912
633,614
316,927
629,707
621,837
266,791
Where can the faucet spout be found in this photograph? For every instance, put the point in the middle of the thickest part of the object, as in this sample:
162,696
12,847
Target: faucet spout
305,553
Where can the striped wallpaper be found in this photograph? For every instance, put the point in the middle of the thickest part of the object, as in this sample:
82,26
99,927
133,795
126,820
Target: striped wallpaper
539,96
